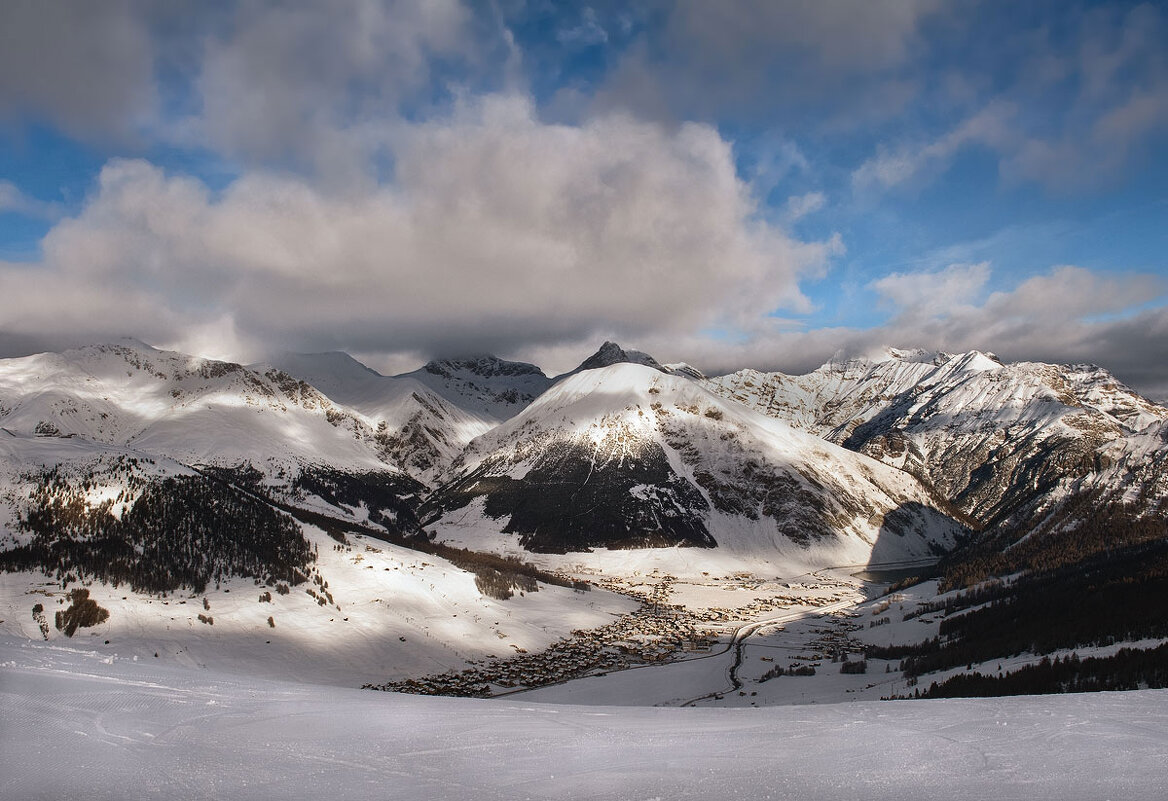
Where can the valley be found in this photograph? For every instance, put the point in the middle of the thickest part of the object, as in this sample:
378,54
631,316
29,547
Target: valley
627,533
440,400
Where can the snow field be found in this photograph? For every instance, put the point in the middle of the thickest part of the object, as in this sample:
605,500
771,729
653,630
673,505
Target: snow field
384,594
80,725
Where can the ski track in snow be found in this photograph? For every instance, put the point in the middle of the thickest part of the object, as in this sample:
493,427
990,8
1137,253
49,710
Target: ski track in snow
79,725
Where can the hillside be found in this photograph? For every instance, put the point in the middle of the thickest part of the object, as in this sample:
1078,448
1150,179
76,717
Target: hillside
1017,447
414,426
626,456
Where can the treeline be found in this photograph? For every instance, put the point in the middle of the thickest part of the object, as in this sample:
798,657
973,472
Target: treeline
390,498
181,531
1127,669
1109,598
791,670
1081,528
496,576
188,531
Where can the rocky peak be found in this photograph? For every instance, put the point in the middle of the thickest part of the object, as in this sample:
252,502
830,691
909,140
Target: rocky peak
485,366
611,353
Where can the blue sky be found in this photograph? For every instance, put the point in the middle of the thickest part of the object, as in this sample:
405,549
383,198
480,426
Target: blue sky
750,183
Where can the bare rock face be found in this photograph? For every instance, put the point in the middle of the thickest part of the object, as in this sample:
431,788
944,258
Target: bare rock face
611,353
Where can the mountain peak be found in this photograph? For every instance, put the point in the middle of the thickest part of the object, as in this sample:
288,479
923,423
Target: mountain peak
485,365
845,360
333,364
484,385
611,353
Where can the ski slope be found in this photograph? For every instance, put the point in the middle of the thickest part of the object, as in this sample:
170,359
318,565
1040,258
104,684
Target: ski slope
78,724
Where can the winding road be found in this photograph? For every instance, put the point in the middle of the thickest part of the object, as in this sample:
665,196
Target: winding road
741,633
738,641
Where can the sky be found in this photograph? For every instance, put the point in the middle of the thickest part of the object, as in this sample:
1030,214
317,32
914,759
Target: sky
762,183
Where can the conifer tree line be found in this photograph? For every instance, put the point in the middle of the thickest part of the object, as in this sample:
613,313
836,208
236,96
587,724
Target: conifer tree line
1112,597
1077,530
1127,669
180,531
189,531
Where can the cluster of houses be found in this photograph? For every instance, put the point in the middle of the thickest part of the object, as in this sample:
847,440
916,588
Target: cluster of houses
834,641
654,632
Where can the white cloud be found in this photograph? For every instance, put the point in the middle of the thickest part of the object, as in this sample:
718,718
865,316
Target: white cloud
496,223
312,83
906,164
16,201
586,34
1068,314
933,294
799,206
1077,113
1056,313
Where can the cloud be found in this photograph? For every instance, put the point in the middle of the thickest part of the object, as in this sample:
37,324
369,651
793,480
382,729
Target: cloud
313,87
1068,314
587,33
799,206
86,67
835,34
712,59
1053,315
922,162
933,294
499,231
12,200
313,84
1073,113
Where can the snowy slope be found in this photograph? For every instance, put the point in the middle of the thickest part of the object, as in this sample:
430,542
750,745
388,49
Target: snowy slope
375,612
137,729
486,386
626,456
611,353
416,427
1004,442
160,470
182,407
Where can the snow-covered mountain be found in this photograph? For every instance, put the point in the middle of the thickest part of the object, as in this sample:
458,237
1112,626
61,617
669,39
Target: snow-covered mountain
628,456
131,422
611,353
1009,444
164,469
143,475
487,386
190,409
415,427
609,455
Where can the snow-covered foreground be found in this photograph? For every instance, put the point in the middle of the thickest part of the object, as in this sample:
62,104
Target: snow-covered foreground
78,724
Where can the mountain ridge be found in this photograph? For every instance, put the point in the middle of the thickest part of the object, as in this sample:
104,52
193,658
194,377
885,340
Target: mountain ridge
988,443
